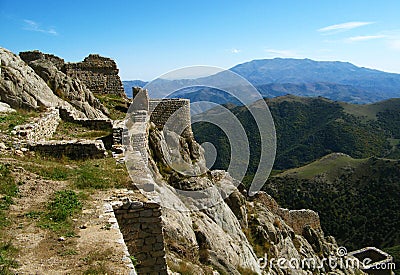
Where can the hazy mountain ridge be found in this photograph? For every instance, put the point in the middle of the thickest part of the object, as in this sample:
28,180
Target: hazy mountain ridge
335,80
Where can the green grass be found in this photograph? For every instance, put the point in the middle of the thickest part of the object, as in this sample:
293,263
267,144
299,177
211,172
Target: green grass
330,164
7,258
9,121
61,208
115,104
8,190
90,174
69,130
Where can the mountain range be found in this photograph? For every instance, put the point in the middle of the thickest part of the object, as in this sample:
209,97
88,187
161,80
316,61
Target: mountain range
341,81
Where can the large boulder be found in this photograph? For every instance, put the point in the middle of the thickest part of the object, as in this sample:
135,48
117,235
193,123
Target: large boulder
70,89
21,87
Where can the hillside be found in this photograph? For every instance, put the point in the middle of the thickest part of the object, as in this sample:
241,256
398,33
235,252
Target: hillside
352,197
309,128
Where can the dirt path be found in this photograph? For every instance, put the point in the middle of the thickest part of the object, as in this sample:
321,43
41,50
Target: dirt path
95,247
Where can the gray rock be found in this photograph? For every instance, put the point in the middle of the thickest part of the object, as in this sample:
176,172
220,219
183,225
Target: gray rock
21,87
69,88
5,108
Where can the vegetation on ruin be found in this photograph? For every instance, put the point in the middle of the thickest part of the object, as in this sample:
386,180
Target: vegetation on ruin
117,105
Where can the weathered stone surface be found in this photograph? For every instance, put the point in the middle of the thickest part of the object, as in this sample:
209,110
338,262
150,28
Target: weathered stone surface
143,234
21,87
99,74
5,108
70,89
172,114
73,149
41,128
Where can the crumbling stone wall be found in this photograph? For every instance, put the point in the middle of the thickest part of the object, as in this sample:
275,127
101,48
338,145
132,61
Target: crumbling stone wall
173,113
35,55
94,124
140,224
40,129
298,219
99,74
73,149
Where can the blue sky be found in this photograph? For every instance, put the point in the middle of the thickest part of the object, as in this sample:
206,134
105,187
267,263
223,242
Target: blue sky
149,38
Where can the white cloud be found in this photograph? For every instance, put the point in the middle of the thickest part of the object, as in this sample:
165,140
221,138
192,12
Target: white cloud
282,53
394,44
235,51
343,27
31,25
365,38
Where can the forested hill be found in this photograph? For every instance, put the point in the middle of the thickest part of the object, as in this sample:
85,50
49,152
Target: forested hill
357,199
309,128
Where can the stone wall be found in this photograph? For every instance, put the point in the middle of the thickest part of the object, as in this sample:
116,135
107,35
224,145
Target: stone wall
99,74
172,113
298,219
73,149
94,124
140,224
41,128
35,55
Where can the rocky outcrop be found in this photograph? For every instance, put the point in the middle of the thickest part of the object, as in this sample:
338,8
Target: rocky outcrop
65,87
5,108
211,227
21,87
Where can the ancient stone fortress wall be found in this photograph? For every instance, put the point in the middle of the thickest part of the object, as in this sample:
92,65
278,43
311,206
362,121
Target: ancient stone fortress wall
40,129
38,133
99,74
73,149
94,124
35,55
173,113
141,226
296,219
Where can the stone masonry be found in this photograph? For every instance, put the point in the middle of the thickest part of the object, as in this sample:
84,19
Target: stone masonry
35,55
172,113
72,149
40,129
140,224
99,74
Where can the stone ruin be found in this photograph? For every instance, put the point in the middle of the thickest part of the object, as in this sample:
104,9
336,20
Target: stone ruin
98,73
